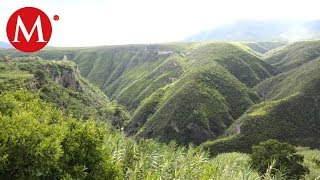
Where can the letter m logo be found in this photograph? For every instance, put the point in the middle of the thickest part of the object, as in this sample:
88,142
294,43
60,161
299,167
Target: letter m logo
27,36
29,29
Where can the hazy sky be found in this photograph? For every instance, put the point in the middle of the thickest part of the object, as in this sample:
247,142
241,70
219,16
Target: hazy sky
106,22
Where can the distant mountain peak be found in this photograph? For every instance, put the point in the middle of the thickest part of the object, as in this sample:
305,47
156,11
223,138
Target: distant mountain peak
5,45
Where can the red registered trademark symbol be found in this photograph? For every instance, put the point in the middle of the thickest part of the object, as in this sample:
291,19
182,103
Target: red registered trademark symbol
29,29
56,17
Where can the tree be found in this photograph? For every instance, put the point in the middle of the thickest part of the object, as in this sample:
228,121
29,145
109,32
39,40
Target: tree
279,155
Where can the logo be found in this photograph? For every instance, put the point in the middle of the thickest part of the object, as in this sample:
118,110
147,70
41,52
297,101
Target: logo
29,29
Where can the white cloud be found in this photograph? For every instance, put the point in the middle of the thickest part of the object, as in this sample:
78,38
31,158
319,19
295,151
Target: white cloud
99,22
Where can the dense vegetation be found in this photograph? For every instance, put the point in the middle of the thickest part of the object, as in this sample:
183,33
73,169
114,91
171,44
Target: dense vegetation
264,47
276,156
294,55
40,141
291,82
194,92
198,107
291,113
171,89
59,82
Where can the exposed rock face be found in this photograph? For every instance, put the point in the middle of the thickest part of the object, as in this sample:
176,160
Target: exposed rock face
68,78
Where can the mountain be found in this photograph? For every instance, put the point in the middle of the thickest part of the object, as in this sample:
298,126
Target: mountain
60,83
56,125
261,30
181,91
5,45
299,62
264,47
197,92
290,82
294,55
226,95
198,107
294,119
201,104
291,111
149,102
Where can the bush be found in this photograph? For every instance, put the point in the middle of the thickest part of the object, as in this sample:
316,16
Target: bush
275,156
38,142
3,67
41,76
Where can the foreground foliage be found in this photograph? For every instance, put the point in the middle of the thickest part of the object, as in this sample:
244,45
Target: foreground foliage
276,156
312,161
39,141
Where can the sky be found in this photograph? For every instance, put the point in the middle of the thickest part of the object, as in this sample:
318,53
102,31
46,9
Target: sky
110,22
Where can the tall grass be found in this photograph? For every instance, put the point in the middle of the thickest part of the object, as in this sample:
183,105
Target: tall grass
312,161
149,159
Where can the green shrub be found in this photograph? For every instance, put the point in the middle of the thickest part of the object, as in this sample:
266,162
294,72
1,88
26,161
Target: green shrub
38,142
3,67
273,156
41,76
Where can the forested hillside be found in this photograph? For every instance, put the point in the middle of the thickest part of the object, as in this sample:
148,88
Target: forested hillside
60,83
294,55
291,109
194,92
182,92
151,103
170,88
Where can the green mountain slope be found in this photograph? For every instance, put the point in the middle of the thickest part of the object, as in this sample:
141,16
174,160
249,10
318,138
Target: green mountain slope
294,119
190,86
199,106
122,72
241,62
133,72
264,47
60,83
290,82
291,114
39,141
294,55
195,92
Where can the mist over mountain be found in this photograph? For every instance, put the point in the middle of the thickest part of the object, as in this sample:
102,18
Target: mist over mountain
261,30
5,45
